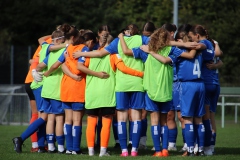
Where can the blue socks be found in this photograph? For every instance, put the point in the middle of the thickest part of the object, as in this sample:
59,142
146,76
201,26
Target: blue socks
33,127
136,133
68,136
77,135
164,137
122,134
189,133
172,135
156,133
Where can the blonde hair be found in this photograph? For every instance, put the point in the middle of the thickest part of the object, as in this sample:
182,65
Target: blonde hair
158,40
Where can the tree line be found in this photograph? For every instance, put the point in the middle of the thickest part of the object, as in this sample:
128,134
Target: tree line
23,22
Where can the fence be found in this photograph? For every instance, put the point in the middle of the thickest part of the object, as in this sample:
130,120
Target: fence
15,107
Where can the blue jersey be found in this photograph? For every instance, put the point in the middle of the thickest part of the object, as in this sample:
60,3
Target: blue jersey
173,55
208,55
112,48
189,69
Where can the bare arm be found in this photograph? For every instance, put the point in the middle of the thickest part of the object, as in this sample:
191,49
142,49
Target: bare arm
57,47
157,56
185,44
52,68
212,65
92,54
124,46
70,74
189,55
84,69
43,39
40,67
217,50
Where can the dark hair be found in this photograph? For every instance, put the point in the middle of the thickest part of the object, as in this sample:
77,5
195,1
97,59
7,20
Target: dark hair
199,29
133,29
104,28
68,30
78,40
57,34
170,27
148,28
90,36
182,32
83,31
184,28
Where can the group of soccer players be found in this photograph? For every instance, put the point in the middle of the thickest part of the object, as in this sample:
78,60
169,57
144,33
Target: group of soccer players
115,81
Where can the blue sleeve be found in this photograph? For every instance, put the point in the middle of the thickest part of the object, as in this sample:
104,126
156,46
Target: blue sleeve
48,51
61,58
174,54
82,59
112,48
46,60
145,40
139,54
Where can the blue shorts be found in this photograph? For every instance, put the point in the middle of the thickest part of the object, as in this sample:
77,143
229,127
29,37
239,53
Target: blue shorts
38,98
192,99
52,106
177,91
133,100
75,106
153,106
212,92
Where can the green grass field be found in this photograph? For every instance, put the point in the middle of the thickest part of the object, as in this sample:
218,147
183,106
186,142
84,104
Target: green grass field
227,147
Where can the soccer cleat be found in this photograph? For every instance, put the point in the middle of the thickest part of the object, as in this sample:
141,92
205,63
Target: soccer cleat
34,150
78,152
105,154
117,145
124,154
200,153
17,141
68,152
157,154
42,150
153,149
54,151
134,154
172,148
165,153
184,149
62,152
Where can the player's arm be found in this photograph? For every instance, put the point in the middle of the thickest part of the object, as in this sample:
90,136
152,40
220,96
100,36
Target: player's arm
43,39
123,68
213,65
218,51
160,58
66,71
52,68
57,47
92,54
86,70
189,55
124,46
193,45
